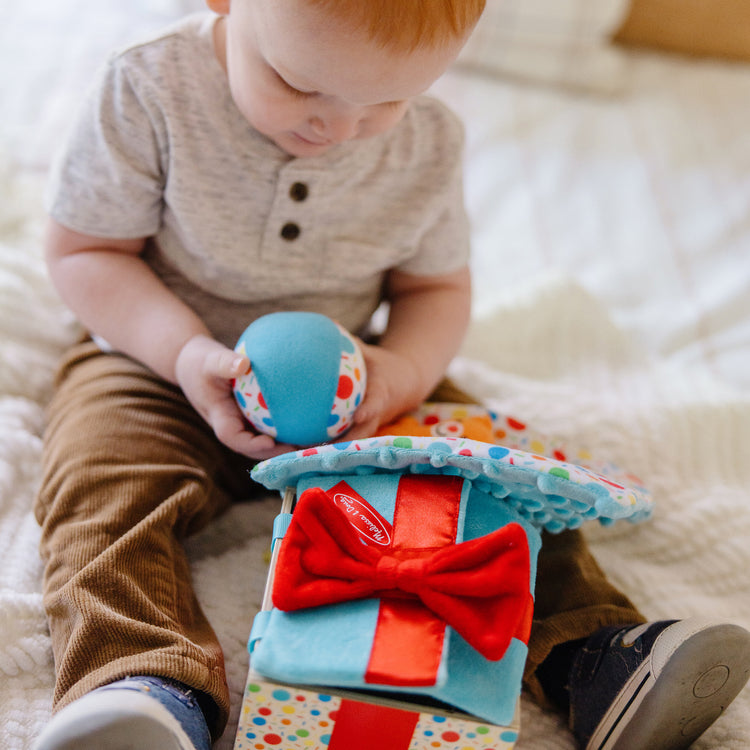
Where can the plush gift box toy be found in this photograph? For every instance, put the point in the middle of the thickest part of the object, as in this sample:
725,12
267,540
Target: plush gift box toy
407,568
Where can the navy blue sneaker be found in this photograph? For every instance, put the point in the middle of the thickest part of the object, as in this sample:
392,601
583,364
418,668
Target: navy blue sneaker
656,686
137,713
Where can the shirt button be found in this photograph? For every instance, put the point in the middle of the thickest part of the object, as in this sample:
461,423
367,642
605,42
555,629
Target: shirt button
290,231
299,191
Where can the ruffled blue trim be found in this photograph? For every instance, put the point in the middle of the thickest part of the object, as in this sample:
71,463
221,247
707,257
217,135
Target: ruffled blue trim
551,494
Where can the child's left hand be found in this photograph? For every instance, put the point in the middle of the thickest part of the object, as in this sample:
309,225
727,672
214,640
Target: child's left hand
394,386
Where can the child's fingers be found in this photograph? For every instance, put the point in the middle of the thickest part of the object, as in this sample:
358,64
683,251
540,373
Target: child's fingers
228,364
232,430
368,415
238,366
219,361
361,430
235,436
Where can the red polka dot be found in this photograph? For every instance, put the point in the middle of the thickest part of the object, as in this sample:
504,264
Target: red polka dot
431,419
272,739
451,736
465,452
261,400
309,452
333,715
514,424
264,711
559,455
346,387
300,698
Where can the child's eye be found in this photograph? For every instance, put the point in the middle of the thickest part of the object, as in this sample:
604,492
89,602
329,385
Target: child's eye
299,94
293,91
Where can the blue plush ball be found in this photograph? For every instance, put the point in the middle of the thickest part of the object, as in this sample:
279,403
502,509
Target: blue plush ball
306,378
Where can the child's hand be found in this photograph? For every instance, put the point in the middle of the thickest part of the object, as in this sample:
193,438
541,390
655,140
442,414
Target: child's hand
205,370
394,386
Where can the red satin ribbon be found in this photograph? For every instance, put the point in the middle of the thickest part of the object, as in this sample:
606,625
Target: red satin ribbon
407,646
479,587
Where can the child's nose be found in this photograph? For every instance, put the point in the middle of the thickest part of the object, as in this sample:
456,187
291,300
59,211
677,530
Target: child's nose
337,127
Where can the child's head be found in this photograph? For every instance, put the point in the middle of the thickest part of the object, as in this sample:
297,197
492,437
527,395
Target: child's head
405,25
309,74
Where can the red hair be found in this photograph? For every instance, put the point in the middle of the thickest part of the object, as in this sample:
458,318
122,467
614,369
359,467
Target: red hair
406,25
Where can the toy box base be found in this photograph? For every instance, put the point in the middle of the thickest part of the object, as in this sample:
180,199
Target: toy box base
275,716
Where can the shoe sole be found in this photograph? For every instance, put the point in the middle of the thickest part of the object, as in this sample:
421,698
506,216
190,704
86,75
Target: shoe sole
115,722
694,671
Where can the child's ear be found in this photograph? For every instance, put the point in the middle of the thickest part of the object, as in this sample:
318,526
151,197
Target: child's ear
219,6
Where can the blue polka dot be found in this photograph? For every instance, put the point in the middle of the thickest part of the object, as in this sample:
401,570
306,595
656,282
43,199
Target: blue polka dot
281,695
268,421
497,451
509,736
241,399
358,399
438,719
332,419
428,733
439,447
324,698
251,735
315,712
342,446
259,721
325,739
347,345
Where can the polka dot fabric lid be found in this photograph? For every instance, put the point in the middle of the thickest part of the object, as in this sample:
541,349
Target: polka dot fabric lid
551,493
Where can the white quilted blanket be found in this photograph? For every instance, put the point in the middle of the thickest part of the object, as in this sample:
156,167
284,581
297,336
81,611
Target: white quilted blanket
613,311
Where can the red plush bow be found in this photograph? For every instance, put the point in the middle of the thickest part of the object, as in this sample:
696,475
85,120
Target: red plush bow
479,587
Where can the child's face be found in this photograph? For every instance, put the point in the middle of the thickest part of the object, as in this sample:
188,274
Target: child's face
308,83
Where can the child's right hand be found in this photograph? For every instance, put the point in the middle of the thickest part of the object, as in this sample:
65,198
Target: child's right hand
205,370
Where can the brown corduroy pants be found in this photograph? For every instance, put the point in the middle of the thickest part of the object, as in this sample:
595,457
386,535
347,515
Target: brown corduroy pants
130,470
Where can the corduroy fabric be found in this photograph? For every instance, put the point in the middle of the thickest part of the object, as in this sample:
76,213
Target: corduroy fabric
129,471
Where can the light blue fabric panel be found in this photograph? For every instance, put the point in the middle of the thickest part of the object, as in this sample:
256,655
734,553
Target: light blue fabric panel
330,646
